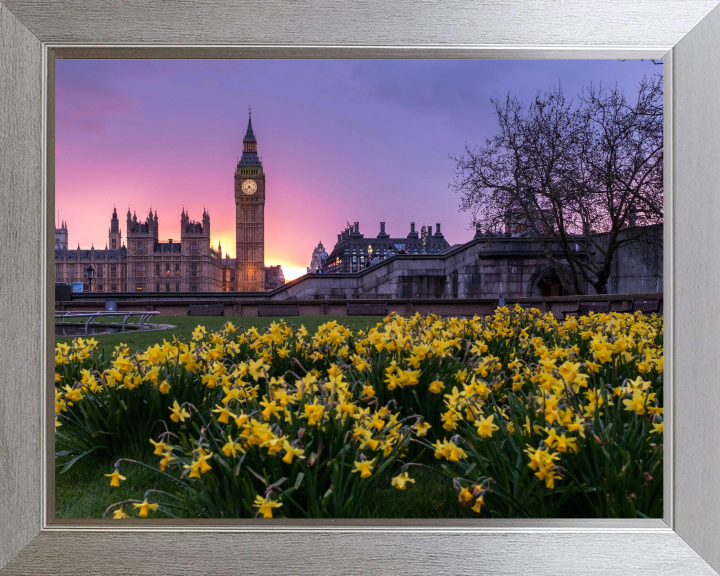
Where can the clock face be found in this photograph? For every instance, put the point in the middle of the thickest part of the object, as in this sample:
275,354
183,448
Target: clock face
249,187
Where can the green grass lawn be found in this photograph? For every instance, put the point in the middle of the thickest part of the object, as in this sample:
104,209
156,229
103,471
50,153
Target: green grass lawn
85,492
184,325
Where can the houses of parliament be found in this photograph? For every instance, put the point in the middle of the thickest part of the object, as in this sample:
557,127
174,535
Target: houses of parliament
142,262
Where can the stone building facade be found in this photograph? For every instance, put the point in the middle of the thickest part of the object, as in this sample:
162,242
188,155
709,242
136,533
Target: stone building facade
353,252
145,264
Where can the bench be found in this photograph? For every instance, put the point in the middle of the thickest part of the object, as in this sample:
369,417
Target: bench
357,309
279,310
206,310
646,306
584,308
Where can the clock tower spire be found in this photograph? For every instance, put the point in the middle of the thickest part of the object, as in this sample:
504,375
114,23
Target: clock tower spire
250,216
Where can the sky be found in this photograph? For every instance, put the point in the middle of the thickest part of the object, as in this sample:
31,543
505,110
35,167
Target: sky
340,141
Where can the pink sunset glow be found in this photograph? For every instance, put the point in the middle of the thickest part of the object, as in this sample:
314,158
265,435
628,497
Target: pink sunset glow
340,141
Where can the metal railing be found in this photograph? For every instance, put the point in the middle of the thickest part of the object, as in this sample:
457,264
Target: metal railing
144,316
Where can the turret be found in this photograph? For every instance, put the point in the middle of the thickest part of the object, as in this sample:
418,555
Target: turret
114,234
206,223
61,237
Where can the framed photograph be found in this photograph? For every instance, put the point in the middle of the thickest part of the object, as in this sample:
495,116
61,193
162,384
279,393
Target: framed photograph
287,517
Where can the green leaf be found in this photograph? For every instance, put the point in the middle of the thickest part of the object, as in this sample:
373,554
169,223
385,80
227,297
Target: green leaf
78,457
299,479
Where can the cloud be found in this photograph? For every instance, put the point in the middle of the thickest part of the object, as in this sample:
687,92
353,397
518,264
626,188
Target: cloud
88,105
446,90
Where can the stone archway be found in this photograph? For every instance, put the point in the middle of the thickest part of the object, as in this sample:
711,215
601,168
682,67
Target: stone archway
545,282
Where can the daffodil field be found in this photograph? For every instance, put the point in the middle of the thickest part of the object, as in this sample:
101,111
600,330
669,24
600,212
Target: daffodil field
519,414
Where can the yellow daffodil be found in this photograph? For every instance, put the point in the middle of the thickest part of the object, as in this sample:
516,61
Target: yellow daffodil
478,504
119,513
265,506
167,457
257,369
291,452
485,426
465,496
400,481
178,414
160,447
436,387
144,507
364,467
637,403
199,332
115,478
225,414
231,448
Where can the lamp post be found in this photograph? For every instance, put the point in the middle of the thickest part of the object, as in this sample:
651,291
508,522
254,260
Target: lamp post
369,260
89,274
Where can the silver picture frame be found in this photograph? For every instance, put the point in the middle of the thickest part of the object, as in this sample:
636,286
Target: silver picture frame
684,33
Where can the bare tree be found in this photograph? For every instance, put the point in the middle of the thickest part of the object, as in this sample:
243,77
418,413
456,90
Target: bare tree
581,178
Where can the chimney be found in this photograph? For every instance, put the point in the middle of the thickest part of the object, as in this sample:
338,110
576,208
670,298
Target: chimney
437,228
382,227
170,241
357,227
339,238
412,227
430,230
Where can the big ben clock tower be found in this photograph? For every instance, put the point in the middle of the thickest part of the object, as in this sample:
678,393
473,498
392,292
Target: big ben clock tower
250,216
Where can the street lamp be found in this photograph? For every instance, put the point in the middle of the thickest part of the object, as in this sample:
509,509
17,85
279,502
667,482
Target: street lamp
89,274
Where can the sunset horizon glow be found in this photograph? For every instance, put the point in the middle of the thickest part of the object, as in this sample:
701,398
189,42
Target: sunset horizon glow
341,141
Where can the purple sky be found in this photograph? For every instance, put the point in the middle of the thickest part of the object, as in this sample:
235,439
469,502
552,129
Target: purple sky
340,140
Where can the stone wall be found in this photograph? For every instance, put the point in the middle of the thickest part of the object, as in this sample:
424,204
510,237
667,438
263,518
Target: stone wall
639,267
235,306
482,268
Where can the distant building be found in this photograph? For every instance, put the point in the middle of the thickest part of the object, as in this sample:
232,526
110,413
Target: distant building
317,261
61,236
353,252
274,277
146,264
